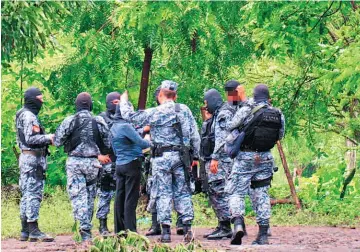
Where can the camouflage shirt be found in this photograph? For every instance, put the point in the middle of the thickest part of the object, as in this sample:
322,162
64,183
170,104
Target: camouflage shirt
161,120
30,127
85,148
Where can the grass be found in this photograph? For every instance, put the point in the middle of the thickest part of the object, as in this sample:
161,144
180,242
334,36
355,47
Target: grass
56,215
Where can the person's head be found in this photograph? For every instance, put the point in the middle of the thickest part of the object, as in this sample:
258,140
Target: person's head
112,99
261,93
212,100
33,99
167,91
83,102
235,91
156,95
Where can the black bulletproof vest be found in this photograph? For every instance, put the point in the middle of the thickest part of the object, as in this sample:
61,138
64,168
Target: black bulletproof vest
263,133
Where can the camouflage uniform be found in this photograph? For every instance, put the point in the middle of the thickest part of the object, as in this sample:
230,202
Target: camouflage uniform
31,167
218,198
248,167
169,180
105,195
82,166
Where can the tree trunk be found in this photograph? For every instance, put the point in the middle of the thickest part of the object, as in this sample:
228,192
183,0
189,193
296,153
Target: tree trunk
145,78
350,157
193,42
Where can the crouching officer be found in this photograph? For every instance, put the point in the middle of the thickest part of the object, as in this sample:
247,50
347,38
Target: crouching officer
253,164
33,143
107,181
218,163
83,136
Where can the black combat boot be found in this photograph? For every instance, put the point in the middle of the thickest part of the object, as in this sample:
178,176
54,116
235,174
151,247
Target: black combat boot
85,235
262,237
24,236
103,229
36,235
188,234
166,234
224,231
179,227
155,226
238,231
217,229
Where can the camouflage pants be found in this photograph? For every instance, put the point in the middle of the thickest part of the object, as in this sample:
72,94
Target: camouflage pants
170,185
250,166
218,198
80,171
31,185
103,207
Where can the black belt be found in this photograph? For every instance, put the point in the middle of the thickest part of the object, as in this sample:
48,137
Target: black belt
158,152
37,153
82,156
248,150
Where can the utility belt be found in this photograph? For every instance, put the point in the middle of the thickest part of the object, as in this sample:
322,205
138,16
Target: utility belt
36,153
247,148
158,151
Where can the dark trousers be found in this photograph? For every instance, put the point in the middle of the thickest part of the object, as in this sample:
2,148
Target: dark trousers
127,195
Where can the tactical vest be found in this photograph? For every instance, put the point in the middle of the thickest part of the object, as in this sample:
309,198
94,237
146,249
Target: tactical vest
264,131
77,136
21,135
107,119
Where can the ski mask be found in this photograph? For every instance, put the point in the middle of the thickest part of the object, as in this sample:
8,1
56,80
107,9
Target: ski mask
156,94
83,102
111,108
31,102
261,93
213,99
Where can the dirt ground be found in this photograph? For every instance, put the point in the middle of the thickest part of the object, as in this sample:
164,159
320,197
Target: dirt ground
282,239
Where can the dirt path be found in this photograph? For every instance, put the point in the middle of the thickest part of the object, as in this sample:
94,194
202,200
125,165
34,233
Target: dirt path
283,239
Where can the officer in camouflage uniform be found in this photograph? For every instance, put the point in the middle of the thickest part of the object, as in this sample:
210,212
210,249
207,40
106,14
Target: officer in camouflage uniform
155,228
33,143
107,178
166,164
218,163
84,138
253,166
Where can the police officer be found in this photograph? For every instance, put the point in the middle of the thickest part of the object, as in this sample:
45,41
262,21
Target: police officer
164,122
33,143
254,163
218,163
107,178
155,228
84,138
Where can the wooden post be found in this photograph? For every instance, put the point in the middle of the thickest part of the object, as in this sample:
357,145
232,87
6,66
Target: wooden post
288,176
145,78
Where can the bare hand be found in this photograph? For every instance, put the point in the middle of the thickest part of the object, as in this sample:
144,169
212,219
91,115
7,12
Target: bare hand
147,137
147,128
125,96
195,163
104,159
52,138
214,166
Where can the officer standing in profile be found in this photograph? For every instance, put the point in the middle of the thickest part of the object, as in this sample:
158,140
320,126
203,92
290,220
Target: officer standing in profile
84,138
172,127
107,178
33,143
218,163
253,165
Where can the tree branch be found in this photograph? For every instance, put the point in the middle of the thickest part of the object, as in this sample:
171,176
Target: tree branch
322,16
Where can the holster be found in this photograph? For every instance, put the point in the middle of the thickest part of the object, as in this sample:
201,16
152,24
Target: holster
38,173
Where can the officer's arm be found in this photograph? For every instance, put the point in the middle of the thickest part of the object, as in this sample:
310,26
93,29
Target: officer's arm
140,118
64,131
220,132
32,131
282,129
104,134
239,118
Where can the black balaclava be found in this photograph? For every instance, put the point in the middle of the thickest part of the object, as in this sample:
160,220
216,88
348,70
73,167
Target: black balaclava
213,99
83,102
31,102
111,108
156,94
261,93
